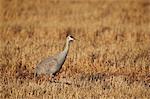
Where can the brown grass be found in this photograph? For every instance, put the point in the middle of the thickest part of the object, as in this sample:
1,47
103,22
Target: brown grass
110,59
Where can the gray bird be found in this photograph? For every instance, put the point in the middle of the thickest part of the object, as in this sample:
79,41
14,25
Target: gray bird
53,64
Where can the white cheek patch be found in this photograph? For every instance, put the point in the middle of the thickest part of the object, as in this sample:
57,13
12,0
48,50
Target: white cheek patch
71,39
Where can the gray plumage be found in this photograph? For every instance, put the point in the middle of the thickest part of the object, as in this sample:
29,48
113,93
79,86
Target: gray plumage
53,64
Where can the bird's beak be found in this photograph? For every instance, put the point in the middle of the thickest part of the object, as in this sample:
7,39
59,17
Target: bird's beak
74,38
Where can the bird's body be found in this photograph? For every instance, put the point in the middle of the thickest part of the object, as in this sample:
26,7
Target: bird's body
53,64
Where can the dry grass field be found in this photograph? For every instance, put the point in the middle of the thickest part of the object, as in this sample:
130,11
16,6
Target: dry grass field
110,59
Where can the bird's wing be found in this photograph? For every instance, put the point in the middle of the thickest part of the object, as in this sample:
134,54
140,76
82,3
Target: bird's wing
52,65
52,62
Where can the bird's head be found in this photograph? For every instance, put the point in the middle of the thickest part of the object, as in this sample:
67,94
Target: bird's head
70,38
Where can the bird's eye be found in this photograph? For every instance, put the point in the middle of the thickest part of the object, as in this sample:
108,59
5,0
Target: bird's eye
71,36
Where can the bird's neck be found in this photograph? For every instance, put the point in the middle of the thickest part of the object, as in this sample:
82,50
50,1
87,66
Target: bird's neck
66,47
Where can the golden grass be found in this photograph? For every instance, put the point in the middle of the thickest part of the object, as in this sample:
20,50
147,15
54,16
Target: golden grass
110,59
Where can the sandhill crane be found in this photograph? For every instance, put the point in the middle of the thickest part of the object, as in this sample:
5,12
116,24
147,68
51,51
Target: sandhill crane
53,64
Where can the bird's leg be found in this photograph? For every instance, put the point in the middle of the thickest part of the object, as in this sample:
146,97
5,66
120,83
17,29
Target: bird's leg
52,77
